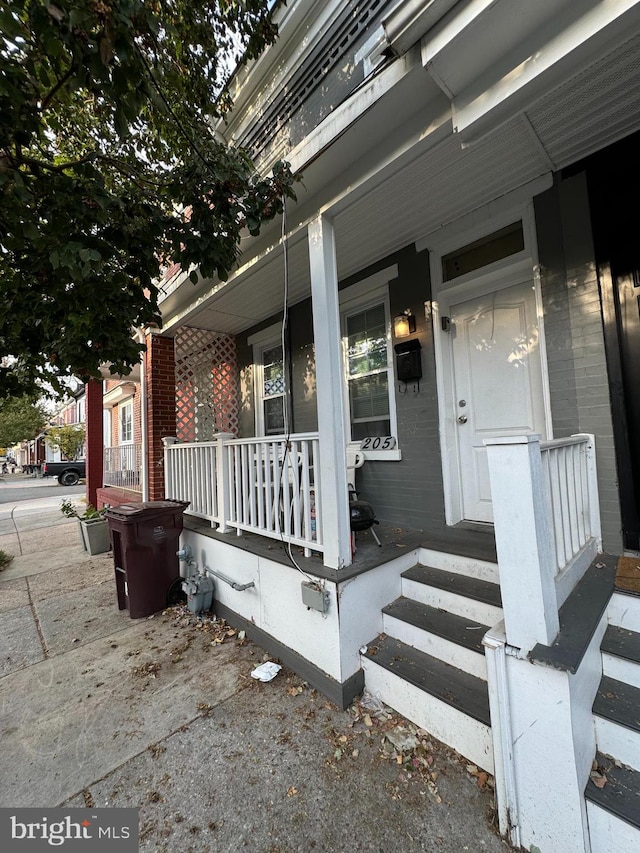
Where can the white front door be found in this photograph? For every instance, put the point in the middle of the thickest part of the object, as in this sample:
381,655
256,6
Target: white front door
497,383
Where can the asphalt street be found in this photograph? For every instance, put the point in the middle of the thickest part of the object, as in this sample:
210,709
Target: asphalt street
15,488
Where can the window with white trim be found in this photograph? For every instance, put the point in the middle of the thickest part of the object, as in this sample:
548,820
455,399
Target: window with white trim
368,359
367,372
125,415
269,380
272,389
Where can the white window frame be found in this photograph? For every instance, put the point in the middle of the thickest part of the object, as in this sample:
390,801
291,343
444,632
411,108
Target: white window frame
126,405
368,293
261,341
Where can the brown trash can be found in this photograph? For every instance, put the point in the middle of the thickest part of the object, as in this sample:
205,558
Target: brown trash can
144,539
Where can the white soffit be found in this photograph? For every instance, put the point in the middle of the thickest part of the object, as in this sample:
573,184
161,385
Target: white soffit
593,109
441,186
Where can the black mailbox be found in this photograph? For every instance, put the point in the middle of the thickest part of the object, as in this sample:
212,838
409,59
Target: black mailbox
408,361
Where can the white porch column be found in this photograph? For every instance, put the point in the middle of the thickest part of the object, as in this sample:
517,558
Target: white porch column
523,541
336,533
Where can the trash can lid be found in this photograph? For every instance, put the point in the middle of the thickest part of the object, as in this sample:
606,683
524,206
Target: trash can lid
129,510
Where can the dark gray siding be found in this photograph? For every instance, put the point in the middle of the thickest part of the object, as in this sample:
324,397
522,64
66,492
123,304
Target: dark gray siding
578,380
408,493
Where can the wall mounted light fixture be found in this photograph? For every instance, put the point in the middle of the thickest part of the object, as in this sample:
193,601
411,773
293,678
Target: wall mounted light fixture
404,324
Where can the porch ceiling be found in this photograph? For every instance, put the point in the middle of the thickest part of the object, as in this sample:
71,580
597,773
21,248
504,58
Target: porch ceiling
429,182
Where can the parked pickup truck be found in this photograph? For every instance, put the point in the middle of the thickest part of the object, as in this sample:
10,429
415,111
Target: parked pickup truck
68,473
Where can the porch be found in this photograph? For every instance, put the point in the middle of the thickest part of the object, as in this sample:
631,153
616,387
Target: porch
441,624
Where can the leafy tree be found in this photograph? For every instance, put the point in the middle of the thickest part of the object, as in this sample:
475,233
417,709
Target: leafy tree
109,168
20,419
69,439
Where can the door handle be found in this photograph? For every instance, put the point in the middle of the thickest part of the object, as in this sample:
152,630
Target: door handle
462,419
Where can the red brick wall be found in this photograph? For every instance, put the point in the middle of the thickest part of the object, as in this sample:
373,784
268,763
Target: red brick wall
160,375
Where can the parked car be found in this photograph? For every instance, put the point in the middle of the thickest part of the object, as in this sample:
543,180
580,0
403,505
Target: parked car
68,473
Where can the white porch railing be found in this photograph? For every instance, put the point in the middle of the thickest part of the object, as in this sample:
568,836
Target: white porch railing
547,528
122,466
572,495
258,485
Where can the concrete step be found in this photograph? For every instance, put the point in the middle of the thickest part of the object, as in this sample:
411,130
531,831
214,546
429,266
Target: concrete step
614,810
616,712
621,655
453,639
448,703
464,596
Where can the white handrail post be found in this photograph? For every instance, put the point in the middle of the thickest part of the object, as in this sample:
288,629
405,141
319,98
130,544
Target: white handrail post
595,527
523,540
221,473
168,441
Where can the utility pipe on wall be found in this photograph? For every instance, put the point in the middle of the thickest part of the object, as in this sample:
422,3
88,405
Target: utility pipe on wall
144,424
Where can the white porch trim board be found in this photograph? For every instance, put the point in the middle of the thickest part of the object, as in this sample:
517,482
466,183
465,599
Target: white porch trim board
605,826
438,647
459,605
617,740
624,611
621,669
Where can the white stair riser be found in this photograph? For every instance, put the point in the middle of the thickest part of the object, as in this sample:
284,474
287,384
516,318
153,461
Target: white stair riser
437,647
462,733
620,742
621,669
624,611
481,569
604,827
486,614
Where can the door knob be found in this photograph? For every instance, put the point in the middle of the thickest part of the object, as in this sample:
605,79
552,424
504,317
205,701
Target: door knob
462,419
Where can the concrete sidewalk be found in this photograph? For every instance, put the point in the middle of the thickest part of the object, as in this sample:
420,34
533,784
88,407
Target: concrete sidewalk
162,714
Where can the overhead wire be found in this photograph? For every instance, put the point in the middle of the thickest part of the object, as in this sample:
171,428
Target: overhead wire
286,363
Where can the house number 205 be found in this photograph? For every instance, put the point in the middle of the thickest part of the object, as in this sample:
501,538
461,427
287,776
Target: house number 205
378,442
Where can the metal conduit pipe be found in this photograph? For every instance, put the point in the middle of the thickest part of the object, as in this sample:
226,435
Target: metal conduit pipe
240,587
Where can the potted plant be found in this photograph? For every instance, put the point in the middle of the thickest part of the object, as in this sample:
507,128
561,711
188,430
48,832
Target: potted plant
93,526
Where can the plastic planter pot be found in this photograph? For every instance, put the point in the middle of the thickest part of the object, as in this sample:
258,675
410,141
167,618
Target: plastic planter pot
95,534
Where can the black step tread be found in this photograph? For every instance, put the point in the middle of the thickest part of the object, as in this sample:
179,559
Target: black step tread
618,702
447,683
479,590
622,643
457,629
621,794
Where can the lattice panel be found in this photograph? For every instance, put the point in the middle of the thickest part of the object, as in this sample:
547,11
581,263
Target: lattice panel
206,384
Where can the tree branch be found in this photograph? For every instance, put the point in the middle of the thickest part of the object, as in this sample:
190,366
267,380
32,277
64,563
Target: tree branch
48,98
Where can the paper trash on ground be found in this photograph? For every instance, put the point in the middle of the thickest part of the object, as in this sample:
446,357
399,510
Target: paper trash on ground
266,671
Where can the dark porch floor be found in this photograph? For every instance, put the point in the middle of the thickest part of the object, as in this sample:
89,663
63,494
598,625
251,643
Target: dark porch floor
476,542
